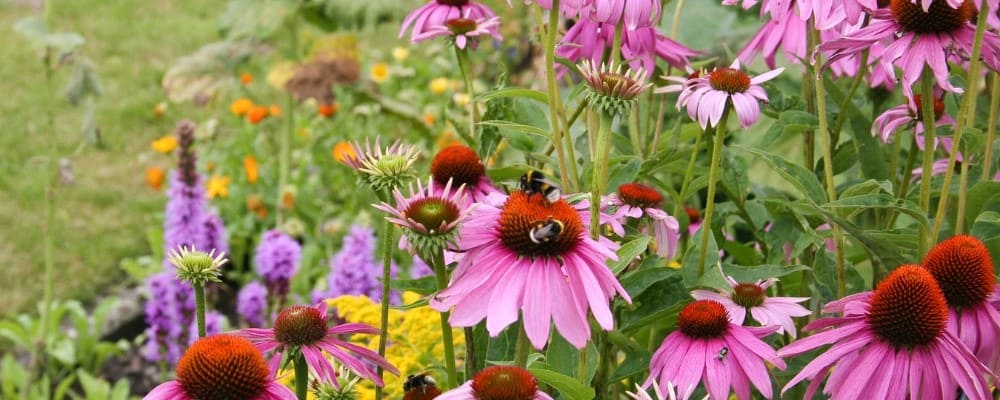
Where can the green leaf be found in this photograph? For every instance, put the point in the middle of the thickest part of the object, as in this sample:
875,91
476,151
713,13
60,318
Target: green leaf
563,358
870,186
34,29
518,128
628,252
514,92
423,286
983,196
751,274
801,178
880,200
656,304
987,229
567,386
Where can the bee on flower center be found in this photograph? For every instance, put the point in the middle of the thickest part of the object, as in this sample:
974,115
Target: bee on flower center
535,182
546,231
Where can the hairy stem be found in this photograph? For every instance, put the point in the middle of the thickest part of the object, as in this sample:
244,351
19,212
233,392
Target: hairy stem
831,187
199,304
463,65
441,275
713,176
599,179
927,87
301,377
991,124
554,96
387,241
522,349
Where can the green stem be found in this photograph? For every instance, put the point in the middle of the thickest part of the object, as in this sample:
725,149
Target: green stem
441,274
463,65
581,368
677,19
904,185
927,107
991,125
831,186
962,195
199,303
387,242
471,357
616,44
719,136
301,377
522,349
842,117
966,118
554,96
809,94
688,174
633,131
600,172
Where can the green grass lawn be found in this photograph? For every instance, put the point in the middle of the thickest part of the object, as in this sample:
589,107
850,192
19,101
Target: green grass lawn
104,216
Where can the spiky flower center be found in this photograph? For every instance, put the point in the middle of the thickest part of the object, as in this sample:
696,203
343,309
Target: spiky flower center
939,18
729,80
938,107
432,212
454,3
223,367
504,382
908,308
458,163
748,295
459,26
703,319
523,213
299,325
639,195
963,268
693,214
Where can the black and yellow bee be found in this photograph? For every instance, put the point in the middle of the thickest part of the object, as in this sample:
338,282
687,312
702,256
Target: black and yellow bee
534,182
546,231
421,382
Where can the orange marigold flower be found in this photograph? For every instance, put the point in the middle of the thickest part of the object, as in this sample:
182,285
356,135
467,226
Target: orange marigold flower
256,205
429,119
164,144
241,107
250,167
328,110
218,186
246,78
154,177
287,200
274,111
257,114
342,151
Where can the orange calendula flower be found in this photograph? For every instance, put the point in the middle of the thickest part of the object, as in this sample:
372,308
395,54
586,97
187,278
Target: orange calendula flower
256,206
257,114
287,200
250,167
164,145
246,78
342,151
379,72
154,177
429,119
218,186
328,110
241,107
274,111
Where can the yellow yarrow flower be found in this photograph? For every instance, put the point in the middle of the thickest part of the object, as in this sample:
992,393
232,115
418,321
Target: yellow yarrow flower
379,72
462,99
400,53
164,144
217,186
439,85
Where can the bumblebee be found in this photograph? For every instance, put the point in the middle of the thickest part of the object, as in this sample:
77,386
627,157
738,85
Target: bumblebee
421,382
722,354
534,182
547,231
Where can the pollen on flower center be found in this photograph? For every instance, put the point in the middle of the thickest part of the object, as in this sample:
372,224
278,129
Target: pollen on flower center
522,213
455,3
938,107
504,382
223,367
432,212
703,319
639,195
940,17
963,268
729,80
458,163
748,295
908,308
459,26
299,325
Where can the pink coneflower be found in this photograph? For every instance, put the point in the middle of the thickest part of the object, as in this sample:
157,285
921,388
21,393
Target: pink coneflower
708,96
641,394
589,39
633,13
788,35
430,216
907,115
963,269
305,329
524,252
766,310
464,30
222,367
916,36
499,382
634,200
436,13
890,344
462,166
707,348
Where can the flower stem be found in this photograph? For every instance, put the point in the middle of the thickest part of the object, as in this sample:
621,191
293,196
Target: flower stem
688,174
677,19
599,179
387,240
301,377
616,43
441,273
927,88
966,118
831,186
713,175
463,64
991,124
199,303
554,96
522,349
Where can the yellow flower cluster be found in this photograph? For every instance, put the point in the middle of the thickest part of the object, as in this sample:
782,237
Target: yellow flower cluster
415,343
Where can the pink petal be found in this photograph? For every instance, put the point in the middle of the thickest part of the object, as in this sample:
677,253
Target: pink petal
170,390
537,309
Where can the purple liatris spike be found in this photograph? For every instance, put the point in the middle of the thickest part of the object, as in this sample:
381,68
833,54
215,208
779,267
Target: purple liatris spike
277,259
214,233
170,308
183,223
354,269
251,304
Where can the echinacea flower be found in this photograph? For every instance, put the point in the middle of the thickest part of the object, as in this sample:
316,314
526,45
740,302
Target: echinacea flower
437,12
890,344
223,367
907,115
611,89
306,329
668,388
963,268
382,169
498,382
707,348
634,200
588,40
526,253
766,310
465,31
430,220
708,96
918,36
460,165
632,13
